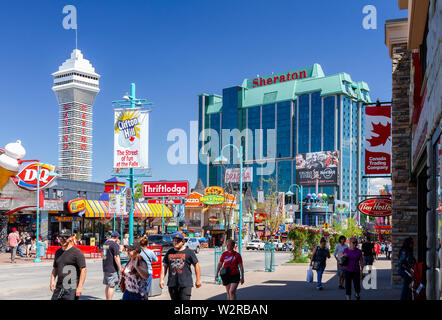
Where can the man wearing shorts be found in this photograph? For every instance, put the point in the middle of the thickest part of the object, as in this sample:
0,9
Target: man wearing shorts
368,252
111,264
178,261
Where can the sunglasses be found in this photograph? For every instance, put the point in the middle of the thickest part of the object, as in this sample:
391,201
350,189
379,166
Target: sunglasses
177,240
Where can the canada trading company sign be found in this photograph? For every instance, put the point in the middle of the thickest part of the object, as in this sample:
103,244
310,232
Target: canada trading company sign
376,207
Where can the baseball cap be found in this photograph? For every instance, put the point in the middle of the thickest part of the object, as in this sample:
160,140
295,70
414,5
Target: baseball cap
14,229
115,234
65,233
178,235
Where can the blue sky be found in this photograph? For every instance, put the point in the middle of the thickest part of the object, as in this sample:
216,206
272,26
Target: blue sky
173,51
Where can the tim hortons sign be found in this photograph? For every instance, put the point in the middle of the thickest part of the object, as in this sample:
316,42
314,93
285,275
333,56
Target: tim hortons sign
376,207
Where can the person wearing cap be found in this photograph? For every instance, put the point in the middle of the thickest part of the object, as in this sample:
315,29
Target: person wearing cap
13,240
69,269
135,274
178,261
111,264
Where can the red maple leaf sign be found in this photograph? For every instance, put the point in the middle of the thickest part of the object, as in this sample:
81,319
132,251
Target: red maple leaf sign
382,132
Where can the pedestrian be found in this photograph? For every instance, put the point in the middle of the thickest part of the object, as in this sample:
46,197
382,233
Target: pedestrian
134,275
111,265
377,249
21,249
125,242
353,269
28,244
405,265
338,252
368,252
318,261
69,269
178,261
389,250
13,240
149,257
233,270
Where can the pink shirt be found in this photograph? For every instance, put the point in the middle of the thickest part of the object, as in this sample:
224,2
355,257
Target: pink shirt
13,239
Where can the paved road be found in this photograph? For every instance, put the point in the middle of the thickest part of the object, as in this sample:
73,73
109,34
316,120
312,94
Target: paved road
31,281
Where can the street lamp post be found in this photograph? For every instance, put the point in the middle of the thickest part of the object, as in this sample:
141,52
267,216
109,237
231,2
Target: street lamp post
37,258
132,102
301,190
220,160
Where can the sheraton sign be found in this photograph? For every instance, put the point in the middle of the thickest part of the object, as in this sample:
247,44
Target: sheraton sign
376,207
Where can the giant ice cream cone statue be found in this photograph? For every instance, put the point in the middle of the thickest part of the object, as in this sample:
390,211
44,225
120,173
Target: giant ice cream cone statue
9,161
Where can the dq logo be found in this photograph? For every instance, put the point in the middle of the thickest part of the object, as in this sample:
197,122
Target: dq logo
27,178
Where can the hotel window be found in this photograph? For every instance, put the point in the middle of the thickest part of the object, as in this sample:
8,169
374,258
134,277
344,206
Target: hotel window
316,122
283,131
268,122
304,136
329,124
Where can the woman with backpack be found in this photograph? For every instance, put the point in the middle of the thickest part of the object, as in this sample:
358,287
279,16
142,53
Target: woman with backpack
405,264
318,261
353,265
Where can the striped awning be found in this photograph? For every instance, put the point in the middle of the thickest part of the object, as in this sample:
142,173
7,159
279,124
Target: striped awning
152,210
97,209
100,209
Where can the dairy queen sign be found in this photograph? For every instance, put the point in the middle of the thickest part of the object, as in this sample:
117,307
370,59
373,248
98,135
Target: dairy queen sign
376,207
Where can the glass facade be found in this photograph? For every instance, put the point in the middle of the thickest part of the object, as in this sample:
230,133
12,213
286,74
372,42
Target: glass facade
304,124
283,129
316,122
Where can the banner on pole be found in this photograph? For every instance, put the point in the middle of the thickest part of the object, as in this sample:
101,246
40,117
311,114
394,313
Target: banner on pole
131,138
378,140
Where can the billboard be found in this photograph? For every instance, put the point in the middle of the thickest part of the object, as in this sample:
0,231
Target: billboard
131,138
321,167
378,140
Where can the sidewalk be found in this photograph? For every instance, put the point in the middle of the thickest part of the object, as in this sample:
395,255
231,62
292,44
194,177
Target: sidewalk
288,282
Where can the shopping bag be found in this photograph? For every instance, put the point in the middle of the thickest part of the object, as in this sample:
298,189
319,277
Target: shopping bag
310,275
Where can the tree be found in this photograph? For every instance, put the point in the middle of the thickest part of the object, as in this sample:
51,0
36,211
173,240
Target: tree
298,234
274,216
349,230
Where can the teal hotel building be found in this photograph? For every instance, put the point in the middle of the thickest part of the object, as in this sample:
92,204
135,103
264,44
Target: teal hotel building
279,116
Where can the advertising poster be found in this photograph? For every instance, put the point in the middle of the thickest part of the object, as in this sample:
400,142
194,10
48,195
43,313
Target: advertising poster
131,139
322,166
378,140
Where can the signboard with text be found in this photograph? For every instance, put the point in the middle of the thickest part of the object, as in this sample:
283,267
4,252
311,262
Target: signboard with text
232,175
321,167
166,189
378,140
131,138
376,207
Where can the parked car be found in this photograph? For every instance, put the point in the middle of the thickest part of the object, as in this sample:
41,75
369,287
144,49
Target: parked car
288,246
164,240
255,245
193,243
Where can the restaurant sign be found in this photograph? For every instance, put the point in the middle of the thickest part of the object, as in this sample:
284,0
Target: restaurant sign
212,199
376,207
76,205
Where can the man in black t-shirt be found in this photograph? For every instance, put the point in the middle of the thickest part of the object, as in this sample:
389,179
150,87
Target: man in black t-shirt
368,252
178,261
111,264
69,268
